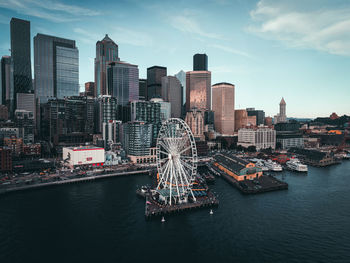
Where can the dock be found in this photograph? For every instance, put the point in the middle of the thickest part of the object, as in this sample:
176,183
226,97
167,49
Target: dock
155,209
92,178
265,183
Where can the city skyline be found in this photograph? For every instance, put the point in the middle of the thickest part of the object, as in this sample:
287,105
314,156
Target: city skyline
259,46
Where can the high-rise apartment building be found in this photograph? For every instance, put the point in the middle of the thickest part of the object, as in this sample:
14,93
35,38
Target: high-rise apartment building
6,85
137,138
106,111
56,68
20,54
224,108
123,82
198,90
148,112
154,81
172,92
106,52
200,62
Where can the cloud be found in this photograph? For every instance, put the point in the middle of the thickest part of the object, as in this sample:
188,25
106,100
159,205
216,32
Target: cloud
302,26
230,50
49,10
187,24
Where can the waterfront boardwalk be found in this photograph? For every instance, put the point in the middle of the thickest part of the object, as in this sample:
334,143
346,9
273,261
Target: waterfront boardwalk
155,209
9,188
265,183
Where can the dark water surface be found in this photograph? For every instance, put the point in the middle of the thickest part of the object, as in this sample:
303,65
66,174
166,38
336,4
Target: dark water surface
104,221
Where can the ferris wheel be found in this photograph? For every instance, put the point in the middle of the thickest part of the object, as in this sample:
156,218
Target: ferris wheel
176,161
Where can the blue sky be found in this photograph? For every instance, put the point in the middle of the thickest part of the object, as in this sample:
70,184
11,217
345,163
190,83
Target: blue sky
296,49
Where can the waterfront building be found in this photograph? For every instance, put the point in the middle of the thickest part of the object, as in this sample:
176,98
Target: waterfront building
288,135
6,86
106,52
200,62
20,54
224,108
314,157
56,67
123,82
25,122
259,114
198,90
195,120
143,89
83,156
281,116
154,81
90,89
238,168
137,138
261,137
172,92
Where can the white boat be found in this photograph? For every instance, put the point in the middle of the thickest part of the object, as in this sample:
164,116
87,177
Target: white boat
296,165
211,211
273,166
163,219
260,164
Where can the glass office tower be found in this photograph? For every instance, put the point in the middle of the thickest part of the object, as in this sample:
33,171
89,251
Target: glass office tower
20,54
56,67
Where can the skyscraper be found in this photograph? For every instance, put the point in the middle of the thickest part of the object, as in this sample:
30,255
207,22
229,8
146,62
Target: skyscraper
56,67
198,90
224,108
123,82
143,89
200,62
154,81
172,92
106,52
6,85
20,54
181,76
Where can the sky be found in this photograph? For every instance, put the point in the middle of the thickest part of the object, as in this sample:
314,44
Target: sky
268,49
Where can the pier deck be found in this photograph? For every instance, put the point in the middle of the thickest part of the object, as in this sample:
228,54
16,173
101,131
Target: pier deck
155,209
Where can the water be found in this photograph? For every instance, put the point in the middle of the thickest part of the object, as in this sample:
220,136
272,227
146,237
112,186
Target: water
104,221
